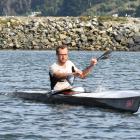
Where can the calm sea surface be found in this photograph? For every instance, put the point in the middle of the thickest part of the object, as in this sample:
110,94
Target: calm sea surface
26,120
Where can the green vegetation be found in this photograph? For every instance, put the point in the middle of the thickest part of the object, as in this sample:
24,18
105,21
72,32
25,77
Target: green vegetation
92,7
110,7
138,11
110,18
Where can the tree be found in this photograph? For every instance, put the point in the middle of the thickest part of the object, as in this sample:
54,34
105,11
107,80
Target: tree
73,7
138,11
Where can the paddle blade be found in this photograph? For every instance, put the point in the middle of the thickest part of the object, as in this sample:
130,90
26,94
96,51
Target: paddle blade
105,55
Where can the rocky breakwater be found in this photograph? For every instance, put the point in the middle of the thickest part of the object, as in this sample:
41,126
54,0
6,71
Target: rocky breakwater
84,33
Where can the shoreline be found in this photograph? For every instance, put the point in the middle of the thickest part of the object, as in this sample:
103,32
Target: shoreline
79,33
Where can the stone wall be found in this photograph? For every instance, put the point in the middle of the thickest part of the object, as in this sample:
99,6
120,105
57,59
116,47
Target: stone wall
84,33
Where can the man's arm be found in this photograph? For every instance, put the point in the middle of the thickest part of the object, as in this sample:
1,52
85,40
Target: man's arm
87,70
77,73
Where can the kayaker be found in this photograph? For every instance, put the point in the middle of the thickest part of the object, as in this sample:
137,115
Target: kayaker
63,71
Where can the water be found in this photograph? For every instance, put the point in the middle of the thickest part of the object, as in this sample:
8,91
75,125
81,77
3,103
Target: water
24,120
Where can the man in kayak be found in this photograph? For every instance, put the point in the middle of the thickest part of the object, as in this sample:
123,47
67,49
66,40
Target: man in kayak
63,71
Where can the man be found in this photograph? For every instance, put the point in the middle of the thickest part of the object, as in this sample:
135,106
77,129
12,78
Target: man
63,71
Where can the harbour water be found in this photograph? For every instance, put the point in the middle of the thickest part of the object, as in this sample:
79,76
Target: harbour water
27,120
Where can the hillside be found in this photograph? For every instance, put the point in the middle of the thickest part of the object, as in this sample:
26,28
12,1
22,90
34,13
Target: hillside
110,7
70,7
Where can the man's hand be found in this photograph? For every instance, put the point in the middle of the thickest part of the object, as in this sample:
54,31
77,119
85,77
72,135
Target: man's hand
93,61
78,73
85,72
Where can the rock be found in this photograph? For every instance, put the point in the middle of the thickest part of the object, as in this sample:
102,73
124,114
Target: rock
62,36
68,40
8,24
130,43
1,29
52,39
70,25
11,45
83,38
118,38
135,48
136,39
73,44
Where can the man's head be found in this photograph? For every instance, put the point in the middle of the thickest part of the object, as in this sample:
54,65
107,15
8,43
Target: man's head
62,54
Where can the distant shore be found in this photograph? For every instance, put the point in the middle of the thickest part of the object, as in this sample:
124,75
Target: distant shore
79,33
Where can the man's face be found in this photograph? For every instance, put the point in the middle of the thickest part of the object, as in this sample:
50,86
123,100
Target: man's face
62,55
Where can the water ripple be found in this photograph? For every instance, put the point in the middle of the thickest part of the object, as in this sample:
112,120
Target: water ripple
20,120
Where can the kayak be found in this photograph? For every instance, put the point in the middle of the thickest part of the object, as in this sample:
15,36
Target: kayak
124,101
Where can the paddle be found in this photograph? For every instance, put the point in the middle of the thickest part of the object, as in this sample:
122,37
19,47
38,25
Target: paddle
105,55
